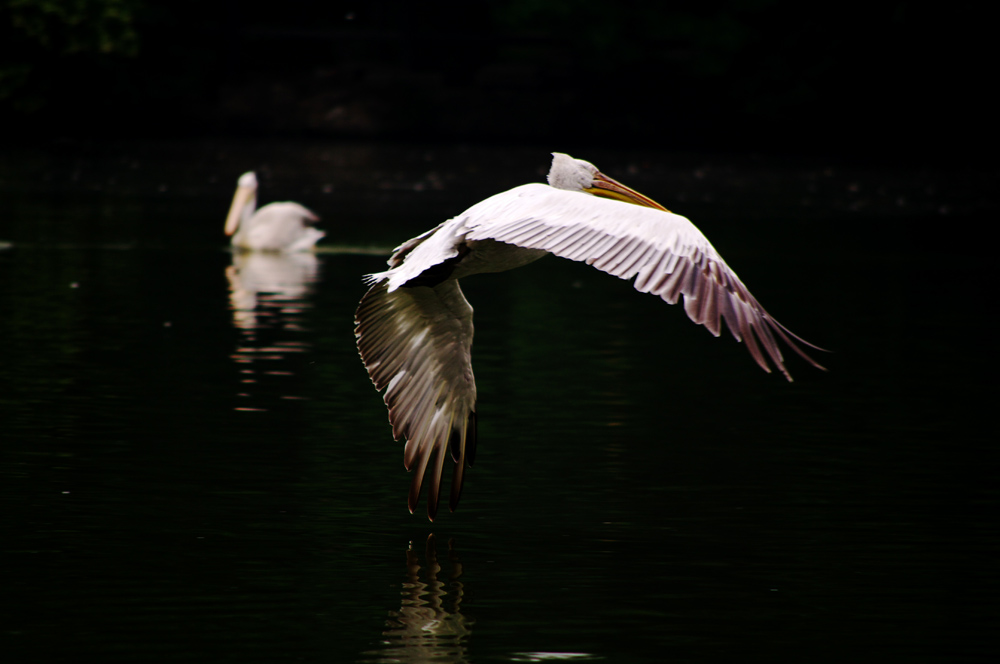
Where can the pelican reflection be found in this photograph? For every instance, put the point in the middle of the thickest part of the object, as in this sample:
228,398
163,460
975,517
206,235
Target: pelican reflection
429,625
269,295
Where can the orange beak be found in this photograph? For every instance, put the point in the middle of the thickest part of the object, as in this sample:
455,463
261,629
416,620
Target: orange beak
240,199
610,188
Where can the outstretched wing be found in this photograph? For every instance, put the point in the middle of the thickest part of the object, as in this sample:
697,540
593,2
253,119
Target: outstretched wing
666,253
416,343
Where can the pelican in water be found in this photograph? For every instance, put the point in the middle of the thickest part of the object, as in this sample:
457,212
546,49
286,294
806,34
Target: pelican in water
274,227
414,326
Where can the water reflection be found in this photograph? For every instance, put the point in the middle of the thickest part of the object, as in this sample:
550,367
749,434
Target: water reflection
553,657
429,625
269,295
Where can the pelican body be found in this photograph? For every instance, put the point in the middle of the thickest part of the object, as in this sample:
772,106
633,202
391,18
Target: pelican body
274,227
414,325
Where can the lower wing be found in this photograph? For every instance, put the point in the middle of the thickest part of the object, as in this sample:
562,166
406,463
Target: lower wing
416,343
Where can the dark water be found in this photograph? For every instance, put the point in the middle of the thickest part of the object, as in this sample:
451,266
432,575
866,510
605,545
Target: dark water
195,466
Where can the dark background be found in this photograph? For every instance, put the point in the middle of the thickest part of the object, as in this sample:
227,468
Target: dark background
881,81
642,488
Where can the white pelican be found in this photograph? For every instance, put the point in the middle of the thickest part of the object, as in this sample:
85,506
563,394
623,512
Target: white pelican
274,227
414,326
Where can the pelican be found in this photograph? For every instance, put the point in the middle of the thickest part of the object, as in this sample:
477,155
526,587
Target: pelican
274,227
414,326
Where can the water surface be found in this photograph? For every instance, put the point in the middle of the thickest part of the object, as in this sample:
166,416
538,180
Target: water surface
196,466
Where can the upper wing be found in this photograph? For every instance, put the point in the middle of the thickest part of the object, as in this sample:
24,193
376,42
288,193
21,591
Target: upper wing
417,258
665,252
416,343
400,253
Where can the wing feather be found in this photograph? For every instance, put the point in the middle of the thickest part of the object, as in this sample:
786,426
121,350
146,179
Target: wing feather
665,252
640,256
416,343
568,237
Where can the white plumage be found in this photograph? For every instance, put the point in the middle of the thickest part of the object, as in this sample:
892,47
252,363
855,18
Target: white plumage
275,227
414,326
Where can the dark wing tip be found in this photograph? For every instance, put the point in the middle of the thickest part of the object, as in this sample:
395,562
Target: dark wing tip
472,438
413,499
463,448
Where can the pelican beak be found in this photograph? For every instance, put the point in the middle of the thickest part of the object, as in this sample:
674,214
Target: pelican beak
240,200
610,188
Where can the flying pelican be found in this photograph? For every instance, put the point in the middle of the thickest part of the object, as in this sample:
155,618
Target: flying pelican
274,227
414,326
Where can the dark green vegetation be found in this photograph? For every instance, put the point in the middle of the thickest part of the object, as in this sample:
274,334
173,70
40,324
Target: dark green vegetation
882,80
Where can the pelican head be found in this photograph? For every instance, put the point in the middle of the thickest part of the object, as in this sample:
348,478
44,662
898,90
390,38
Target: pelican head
579,175
244,202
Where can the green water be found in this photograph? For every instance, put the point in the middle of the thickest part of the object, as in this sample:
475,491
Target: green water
195,471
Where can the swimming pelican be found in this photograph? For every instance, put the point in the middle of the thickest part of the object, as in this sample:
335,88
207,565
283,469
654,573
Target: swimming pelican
274,227
414,326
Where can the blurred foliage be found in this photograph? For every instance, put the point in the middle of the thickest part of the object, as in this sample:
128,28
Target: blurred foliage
683,73
76,26
704,38
43,40
764,57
